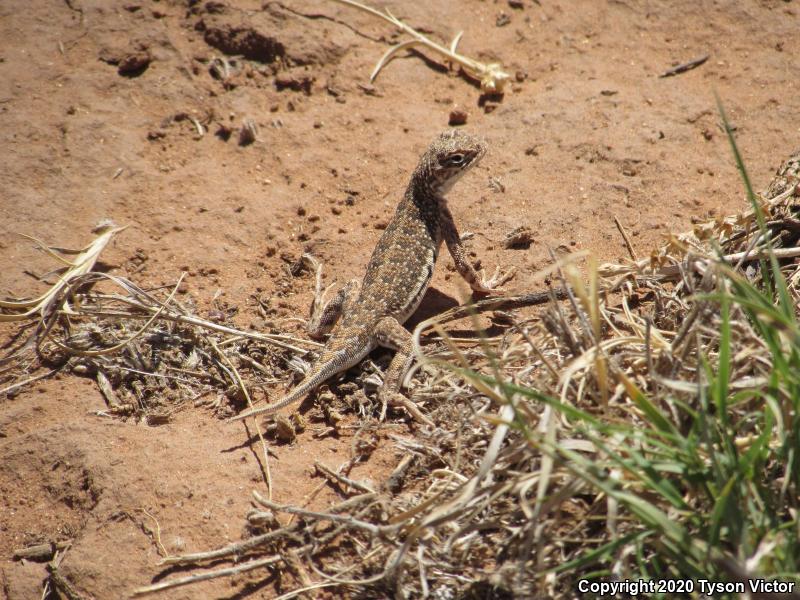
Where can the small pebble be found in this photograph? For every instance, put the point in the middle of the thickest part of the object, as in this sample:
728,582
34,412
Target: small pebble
134,63
457,117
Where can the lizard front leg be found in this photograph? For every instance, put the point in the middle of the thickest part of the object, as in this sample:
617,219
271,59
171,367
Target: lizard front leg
463,266
389,333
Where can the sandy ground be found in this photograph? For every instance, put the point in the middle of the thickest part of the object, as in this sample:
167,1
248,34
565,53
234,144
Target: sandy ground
95,100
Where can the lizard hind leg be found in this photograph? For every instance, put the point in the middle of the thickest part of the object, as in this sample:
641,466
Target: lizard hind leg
389,333
324,315
331,362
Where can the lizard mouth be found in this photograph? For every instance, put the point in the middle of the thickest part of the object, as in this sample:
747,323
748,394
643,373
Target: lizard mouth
473,157
477,156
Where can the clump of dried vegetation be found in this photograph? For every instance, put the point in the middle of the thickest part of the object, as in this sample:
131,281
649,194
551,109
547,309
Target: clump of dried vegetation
645,426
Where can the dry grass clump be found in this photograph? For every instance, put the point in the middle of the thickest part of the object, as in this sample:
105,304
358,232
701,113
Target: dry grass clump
149,355
647,428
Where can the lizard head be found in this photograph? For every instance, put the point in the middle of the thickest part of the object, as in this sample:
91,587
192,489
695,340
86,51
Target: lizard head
451,154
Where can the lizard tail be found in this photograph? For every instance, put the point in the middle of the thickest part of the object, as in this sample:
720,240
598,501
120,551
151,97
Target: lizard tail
326,368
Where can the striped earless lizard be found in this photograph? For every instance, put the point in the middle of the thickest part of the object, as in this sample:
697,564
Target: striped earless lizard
373,310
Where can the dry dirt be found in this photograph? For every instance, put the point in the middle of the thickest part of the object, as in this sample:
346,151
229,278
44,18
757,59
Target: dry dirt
95,100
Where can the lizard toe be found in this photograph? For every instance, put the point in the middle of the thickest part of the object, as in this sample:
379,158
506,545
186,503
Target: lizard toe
397,399
494,283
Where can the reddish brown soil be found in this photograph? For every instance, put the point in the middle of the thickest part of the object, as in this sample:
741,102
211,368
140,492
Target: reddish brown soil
589,132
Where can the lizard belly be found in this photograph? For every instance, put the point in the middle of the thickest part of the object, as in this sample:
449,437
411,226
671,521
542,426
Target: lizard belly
418,288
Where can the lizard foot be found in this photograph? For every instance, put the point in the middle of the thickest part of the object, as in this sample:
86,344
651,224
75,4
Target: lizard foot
492,285
397,399
436,348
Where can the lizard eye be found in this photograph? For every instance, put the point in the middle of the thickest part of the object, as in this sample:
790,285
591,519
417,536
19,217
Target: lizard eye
455,160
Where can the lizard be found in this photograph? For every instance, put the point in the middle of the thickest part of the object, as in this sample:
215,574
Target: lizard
371,312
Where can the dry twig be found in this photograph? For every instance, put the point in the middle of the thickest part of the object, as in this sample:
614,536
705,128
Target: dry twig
491,76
